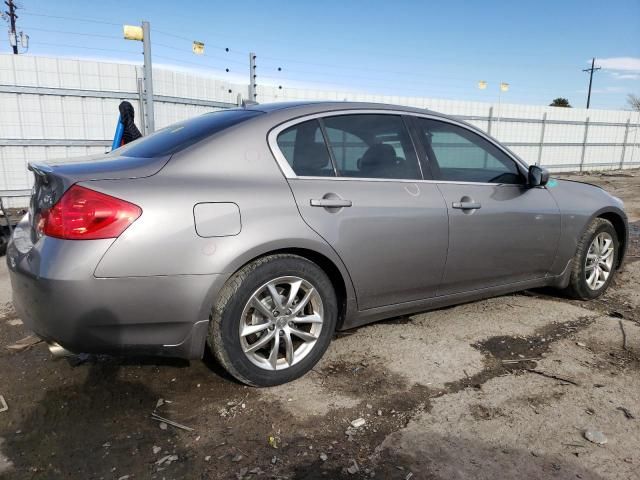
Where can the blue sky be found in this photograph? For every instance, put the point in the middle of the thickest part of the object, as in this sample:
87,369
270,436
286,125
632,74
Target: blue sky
434,49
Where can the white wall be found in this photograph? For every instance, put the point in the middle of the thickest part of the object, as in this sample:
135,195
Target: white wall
88,123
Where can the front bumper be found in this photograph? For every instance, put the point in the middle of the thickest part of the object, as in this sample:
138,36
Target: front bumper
57,296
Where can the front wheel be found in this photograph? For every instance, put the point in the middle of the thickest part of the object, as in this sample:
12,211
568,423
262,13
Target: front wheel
595,261
274,319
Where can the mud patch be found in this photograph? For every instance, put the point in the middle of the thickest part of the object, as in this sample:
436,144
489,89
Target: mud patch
505,348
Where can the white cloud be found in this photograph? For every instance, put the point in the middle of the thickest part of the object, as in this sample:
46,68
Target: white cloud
625,76
625,64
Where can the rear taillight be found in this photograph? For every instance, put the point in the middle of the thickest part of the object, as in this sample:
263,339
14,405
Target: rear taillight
84,214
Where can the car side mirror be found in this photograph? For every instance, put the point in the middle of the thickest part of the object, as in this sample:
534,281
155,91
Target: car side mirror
538,176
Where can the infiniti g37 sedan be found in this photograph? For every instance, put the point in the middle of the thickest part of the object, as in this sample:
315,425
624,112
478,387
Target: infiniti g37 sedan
260,231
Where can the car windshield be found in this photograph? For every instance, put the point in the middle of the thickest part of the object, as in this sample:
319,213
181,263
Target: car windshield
179,136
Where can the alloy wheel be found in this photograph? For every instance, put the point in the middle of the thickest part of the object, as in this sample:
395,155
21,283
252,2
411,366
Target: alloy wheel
281,323
599,261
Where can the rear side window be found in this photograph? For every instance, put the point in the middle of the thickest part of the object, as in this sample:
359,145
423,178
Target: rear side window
304,148
179,136
372,146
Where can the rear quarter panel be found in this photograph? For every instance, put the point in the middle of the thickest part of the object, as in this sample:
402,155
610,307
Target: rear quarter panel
235,166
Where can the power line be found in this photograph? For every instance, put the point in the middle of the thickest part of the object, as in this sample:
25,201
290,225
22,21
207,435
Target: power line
75,19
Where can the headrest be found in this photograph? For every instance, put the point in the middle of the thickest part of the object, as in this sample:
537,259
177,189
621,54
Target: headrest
378,155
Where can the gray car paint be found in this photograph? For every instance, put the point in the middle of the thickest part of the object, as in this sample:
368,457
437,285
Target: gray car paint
151,289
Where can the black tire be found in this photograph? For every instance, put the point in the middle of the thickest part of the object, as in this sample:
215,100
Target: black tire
224,339
578,287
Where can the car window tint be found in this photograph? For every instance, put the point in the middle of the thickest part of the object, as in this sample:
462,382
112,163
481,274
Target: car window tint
371,146
304,148
458,154
179,136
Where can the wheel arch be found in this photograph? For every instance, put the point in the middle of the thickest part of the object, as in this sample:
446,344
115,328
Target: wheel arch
619,222
330,263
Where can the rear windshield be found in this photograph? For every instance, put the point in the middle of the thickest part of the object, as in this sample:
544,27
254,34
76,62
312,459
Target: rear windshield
179,136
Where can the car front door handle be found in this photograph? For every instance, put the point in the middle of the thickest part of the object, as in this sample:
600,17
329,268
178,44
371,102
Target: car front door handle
330,202
466,205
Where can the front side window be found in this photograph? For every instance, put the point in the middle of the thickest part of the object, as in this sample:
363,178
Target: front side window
458,154
371,146
305,151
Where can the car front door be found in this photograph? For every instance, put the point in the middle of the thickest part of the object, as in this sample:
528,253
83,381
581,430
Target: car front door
500,230
358,184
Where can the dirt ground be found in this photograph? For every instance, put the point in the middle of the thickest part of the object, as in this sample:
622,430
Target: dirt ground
501,388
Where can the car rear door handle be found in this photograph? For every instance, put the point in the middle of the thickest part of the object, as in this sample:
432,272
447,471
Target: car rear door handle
466,205
330,202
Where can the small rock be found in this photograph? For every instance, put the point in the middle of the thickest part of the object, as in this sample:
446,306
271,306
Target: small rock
353,468
207,458
15,322
595,436
237,458
124,477
580,344
106,445
274,460
156,450
324,457
358,422
379,413
369,406
160,402
163,426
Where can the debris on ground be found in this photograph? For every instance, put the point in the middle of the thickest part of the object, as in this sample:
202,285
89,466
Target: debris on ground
324,457
358,422
162,420
156,449
626,411
15,322
25,343
167,460
3,405
353,468
595,436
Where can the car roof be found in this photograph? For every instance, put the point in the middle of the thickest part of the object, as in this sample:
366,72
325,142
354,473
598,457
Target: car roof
310,107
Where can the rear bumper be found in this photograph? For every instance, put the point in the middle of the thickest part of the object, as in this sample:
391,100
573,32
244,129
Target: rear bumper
57,296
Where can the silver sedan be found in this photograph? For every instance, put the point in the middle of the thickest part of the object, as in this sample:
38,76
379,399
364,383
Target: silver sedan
260,231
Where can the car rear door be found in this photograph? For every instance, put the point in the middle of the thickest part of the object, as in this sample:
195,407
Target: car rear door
500,230
358,184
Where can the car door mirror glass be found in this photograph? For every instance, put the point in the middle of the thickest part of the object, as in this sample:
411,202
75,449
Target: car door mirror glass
538,176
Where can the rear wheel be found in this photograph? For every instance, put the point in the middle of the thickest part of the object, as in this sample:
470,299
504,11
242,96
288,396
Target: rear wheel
274,319
595,261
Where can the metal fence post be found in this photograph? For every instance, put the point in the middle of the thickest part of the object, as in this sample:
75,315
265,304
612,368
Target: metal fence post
544,124
253,82
141,115
584,143
624,142
148,77
489,121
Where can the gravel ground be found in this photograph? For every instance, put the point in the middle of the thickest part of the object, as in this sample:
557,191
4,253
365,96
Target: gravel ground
501,388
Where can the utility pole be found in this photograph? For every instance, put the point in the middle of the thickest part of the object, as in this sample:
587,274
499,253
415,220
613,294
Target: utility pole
253,82
148,76
590,70
143,34
13,36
